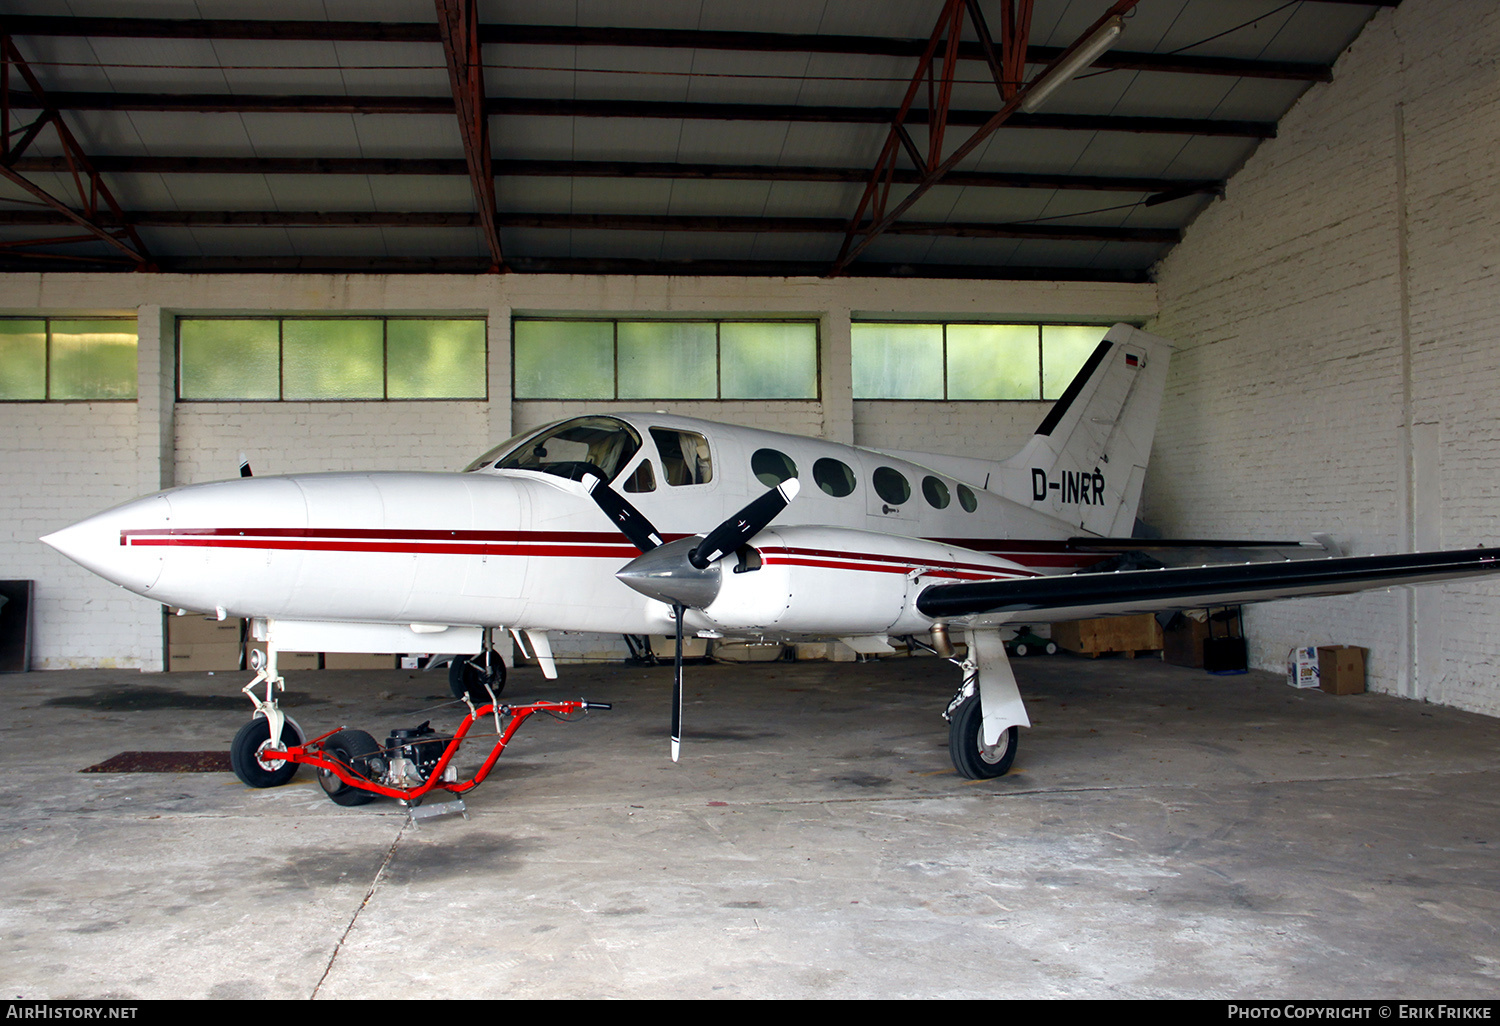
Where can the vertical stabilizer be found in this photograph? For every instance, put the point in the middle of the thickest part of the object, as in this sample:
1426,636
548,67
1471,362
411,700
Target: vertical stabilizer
1087,461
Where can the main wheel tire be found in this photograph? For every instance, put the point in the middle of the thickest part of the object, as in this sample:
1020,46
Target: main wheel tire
245,749
970,757
464,678
352,749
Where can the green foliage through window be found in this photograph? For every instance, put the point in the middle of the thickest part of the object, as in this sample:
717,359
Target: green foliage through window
340,358
52,358
956,361
608,359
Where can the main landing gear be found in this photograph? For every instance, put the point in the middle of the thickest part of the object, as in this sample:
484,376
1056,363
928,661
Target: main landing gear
985,716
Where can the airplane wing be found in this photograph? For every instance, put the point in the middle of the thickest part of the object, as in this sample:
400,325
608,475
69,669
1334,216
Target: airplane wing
1085,595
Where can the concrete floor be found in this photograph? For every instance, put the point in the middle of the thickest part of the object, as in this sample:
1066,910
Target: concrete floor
1165,833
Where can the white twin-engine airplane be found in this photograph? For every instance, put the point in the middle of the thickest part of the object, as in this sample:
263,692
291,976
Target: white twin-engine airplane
607,524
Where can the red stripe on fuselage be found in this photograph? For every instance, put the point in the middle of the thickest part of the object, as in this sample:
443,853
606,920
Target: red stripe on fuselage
584,544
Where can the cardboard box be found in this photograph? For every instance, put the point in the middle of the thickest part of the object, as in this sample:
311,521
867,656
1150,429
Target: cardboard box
741,652
1128,634
208,656
664,647
1182,640
1341,669
197,629
358,661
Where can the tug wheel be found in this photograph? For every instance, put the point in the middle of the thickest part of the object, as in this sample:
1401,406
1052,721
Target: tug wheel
351,749
464,678
244,754
970,757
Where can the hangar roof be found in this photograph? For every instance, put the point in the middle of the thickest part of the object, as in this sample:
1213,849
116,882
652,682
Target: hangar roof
680,136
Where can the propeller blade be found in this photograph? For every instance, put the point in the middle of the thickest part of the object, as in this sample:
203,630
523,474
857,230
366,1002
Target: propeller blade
244,465
677,610
744,525
630,521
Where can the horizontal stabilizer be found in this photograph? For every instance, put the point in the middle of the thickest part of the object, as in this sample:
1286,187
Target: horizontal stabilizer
1081,596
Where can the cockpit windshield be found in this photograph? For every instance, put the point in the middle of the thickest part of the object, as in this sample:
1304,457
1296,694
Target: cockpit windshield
573,448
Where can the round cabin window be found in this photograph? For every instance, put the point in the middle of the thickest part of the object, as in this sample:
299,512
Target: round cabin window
833,477
935,492
892,486
771,467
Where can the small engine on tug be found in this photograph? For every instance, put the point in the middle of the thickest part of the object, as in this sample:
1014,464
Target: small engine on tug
411,756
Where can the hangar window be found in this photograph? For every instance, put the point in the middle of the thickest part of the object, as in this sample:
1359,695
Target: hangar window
659,359
322,358
958,361
51,358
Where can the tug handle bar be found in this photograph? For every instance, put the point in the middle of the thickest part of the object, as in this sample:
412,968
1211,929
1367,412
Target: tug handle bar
312,753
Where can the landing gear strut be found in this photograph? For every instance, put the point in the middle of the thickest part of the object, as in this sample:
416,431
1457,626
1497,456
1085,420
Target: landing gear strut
478,678
987,703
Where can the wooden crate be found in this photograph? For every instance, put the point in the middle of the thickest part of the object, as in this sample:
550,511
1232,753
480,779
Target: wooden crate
1128,634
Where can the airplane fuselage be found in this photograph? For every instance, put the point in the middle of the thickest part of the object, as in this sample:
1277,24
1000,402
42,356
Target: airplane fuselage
527,548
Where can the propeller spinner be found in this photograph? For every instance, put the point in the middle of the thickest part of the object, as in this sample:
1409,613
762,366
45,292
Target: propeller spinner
685,573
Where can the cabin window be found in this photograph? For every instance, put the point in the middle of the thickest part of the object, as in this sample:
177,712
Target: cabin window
771,467
574,448
685,459
643,480
966,499
935,492
834,477
892,486
50,358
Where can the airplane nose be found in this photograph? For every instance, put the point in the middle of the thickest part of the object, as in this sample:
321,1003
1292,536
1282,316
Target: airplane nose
99,543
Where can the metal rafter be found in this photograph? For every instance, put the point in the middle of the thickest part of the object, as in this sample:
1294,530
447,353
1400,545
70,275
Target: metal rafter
272,30
93,194
601,222
875,214
521,106
458,23
168,165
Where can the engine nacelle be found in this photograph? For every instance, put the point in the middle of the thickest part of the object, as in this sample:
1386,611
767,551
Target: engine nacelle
831,581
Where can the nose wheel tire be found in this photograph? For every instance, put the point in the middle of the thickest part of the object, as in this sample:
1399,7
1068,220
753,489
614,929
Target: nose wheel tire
351,749
465,678
970,756
245,754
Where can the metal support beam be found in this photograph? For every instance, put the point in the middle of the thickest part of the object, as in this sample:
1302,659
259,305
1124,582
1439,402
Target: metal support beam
458,24
598,222
239,103
610,169
92,192
274,30
875,213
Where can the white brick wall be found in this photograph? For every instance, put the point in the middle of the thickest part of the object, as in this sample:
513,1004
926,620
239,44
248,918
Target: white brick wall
1339,321
301,438
61,462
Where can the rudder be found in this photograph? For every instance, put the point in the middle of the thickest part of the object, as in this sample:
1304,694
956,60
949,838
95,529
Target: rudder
1087,461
